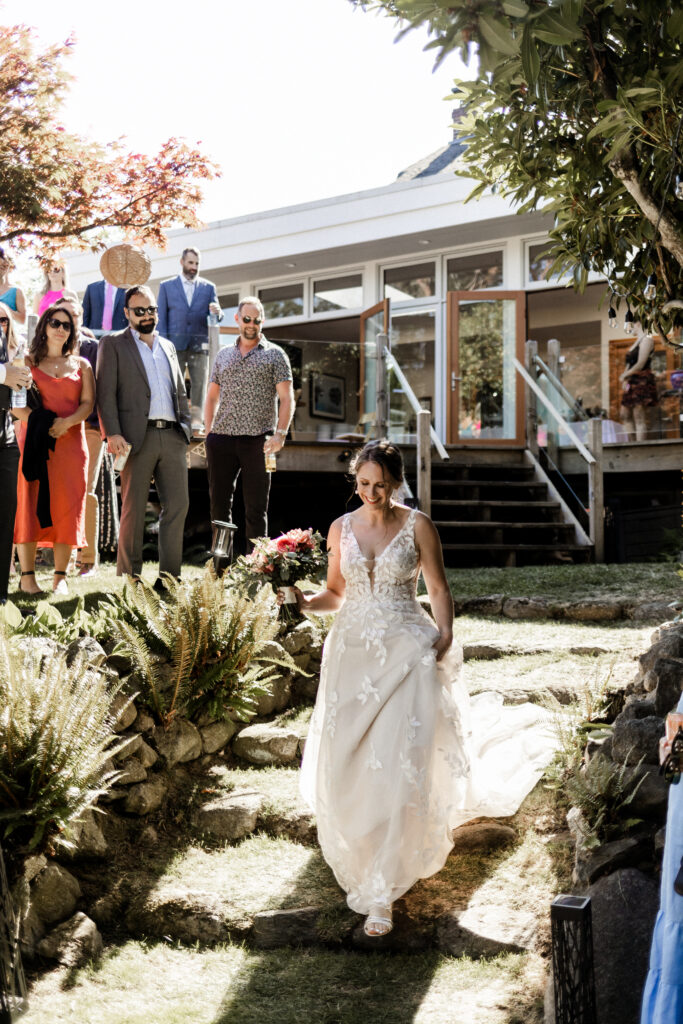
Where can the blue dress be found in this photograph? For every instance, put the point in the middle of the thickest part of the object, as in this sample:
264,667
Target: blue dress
663,995
10,298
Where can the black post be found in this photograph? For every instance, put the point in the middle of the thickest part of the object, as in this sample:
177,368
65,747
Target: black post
574,979
13,999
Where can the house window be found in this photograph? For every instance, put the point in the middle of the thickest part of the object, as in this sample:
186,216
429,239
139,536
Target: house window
417,281
283,300
338,293
471,273
229,301
540,263
412,343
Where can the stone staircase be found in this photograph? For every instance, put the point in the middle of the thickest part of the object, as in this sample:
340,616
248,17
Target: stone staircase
499,508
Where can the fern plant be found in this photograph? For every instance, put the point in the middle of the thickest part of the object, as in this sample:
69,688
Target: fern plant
56,737
603,791
208,648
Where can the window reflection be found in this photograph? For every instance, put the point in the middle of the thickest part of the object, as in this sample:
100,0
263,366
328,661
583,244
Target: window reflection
338,293
471,273
283,300
416,281
412,344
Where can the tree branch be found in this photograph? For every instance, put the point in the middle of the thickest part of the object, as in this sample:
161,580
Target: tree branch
622,168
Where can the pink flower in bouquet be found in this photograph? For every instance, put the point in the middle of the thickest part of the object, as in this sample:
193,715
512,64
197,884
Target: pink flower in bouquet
296,540
285,543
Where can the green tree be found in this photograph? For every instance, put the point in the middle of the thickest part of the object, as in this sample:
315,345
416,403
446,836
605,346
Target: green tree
58,189
576,108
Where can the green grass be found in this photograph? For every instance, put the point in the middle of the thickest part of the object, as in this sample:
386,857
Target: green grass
546,635
141,983
639,581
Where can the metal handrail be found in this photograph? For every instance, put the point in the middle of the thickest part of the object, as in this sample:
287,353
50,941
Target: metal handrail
559,386
560,420
413,400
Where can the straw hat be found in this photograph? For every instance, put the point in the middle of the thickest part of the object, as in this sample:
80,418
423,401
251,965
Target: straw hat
125,265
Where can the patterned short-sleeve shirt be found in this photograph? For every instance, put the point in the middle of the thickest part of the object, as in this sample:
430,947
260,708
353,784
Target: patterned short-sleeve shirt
248,388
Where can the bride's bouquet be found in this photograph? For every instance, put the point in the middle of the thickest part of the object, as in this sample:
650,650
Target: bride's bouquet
283,561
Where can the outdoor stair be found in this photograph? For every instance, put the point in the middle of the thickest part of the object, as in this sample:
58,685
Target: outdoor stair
497,510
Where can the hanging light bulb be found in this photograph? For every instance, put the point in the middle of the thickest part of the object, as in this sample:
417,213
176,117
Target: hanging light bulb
678,190
650,290
611,312
628,321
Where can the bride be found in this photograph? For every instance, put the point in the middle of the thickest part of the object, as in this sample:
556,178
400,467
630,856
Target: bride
395,758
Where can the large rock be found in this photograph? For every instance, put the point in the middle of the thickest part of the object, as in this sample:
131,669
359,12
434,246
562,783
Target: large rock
307,686
304,637
668,677
492,604
486,931
132,744
87,837
184,915
88,650
600,610
146,756
624,907
636,739
592,864
485,652
123,711
54,894
266,743
275,928
145,797
231,816
652,611
651,799
179,743
667,643
215,735
74,942
143,723
525,608
482,835
131,772
278,696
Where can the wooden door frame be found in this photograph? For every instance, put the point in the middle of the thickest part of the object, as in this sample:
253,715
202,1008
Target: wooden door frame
453,300
384,306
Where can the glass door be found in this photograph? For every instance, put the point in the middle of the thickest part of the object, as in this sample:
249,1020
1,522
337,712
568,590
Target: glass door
373,322
486,333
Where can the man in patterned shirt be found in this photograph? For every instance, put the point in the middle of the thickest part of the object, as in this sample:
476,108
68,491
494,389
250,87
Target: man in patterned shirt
250,391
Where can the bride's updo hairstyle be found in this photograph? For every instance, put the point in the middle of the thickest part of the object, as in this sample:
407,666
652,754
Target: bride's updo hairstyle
386,454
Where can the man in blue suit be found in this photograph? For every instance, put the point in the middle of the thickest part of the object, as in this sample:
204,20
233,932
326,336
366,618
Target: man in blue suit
185,303
103,307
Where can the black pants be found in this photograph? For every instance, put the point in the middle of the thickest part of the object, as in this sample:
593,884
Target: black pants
9,466
228,455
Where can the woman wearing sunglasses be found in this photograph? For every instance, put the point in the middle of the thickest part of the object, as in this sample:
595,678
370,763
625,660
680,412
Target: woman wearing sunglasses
66,387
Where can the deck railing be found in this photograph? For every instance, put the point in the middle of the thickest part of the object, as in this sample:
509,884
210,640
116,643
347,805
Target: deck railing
557,424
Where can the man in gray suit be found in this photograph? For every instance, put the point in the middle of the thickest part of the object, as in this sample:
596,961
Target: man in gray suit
142,403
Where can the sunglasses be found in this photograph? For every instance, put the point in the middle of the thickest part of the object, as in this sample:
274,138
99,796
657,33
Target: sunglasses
59,325
141,310
4,319
256,319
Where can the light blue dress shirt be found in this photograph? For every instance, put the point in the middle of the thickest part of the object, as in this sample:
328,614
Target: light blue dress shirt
158,370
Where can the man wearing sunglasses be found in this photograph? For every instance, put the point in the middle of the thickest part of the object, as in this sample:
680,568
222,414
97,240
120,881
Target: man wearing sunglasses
142,403
249,405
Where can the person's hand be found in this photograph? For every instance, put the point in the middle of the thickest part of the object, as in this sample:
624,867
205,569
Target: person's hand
117,444
442,644
214,308
300,598
59,427
17,377
273,444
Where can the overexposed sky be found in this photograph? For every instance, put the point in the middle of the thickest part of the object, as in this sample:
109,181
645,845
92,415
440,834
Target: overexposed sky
295,99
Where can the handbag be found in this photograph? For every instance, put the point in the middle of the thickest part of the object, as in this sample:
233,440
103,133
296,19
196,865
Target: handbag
33,398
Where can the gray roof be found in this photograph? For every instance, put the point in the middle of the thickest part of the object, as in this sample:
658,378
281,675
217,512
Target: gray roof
441,161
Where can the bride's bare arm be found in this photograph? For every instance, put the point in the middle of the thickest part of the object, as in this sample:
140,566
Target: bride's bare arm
431,562
330,599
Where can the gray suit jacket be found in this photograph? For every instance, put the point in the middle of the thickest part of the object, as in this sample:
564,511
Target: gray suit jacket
123,393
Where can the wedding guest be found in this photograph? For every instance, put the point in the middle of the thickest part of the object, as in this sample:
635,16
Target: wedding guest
51,505
11,294
55,282
249,406
639,386
103,307
88,557
12,378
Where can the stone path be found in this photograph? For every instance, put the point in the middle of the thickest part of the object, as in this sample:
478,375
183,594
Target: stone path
248,883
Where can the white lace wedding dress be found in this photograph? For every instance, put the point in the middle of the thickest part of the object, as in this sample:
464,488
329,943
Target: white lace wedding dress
396,755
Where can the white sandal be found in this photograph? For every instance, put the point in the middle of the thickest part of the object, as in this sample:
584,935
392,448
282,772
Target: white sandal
378,922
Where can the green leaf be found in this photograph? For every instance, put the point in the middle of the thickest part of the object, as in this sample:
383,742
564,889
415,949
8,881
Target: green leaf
11,615
48,613
515,8
554,29
497,34
531,62
674,25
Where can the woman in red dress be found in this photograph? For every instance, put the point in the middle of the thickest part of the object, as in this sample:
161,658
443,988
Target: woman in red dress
67,388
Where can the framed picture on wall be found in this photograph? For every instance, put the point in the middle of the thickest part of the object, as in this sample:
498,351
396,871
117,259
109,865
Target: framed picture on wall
328,396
